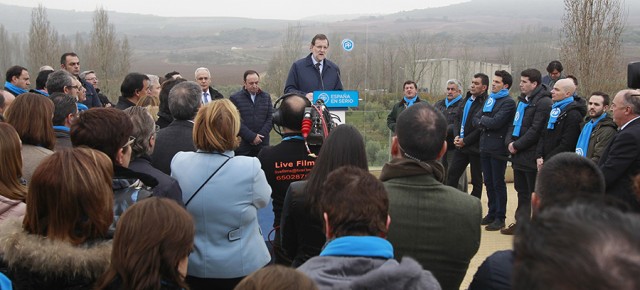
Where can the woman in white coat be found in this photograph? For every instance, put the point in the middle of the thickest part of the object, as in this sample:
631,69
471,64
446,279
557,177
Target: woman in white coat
223,192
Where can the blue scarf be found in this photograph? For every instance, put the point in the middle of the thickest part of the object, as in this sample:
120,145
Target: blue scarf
585,135
517,120
82,107
11,87
448,104
465,114
491,100
359,246
42,93
410,101
62,128
556,110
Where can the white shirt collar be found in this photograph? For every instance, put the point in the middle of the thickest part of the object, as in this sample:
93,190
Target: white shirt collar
627,123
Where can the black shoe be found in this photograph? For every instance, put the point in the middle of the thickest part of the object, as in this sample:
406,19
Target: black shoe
487,220
510,230
497,224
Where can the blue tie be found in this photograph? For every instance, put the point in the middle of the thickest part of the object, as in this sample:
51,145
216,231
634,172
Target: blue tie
206,97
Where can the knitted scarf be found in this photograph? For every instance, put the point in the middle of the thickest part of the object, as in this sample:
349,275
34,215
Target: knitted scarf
448,103
465,114
517,120
585,135
491,100
556,109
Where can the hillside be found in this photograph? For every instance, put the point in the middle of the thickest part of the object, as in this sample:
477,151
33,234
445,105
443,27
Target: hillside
161,44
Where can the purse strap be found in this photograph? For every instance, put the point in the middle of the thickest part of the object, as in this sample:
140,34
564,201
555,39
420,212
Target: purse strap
205,182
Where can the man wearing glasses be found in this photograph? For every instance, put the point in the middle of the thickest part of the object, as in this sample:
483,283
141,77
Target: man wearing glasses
620,162
203,78
90,77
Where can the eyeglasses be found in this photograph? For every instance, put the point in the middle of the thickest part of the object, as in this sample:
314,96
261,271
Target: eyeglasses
74,87
131,140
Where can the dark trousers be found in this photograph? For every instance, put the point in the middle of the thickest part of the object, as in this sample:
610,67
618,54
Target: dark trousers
493,171
461,182
280,257
459,163
196,283
524,183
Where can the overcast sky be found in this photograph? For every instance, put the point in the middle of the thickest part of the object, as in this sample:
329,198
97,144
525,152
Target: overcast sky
267,9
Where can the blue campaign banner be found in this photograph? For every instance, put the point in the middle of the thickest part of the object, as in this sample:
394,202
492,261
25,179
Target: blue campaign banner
337,99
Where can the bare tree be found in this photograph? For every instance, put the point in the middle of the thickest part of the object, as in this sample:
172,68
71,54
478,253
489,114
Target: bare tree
10,49
591,45
104,46
278,67
464,67
109,57
43,40
532,47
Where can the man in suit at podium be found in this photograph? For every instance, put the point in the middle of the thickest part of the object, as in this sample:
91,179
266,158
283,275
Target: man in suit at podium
314,72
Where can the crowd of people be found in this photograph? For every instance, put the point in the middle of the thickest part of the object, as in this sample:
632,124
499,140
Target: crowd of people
176,186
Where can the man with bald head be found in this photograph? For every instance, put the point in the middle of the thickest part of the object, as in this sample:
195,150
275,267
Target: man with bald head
620,161
288,116
563,127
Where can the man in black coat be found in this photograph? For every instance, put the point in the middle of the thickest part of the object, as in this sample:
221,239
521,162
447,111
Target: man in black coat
467,136
563,126
256,113
450,108
184,102
494,120
71,62
314,72
620,162
291,150
532,114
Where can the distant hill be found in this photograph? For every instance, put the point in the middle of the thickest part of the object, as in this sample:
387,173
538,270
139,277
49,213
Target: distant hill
162,44
471,16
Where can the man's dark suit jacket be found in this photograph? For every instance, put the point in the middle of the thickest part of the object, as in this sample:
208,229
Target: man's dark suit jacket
620,163
176,137
304,78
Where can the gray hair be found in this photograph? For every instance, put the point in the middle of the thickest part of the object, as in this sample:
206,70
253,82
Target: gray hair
455,82
184,100
632,98
143,129
84,74
153,79
58,80
202,69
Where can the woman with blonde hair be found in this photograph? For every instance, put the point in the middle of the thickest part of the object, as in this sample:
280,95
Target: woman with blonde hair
31,115
151,247
12,188
223,193
61,243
